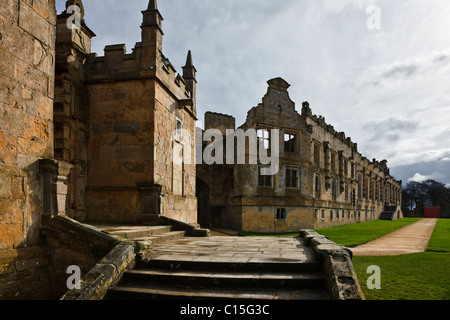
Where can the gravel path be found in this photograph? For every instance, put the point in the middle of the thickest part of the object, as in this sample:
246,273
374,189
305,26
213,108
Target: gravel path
410,239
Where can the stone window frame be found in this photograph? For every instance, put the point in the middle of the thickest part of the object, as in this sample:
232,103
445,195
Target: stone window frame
298,173
265,179
290,144
334,186
317,184
281,214
317,146
346,192
333,160
345,173
360,186
178,127
323,214
266,139
183,171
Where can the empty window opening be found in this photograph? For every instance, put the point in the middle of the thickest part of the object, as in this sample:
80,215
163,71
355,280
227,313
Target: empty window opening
289,143
263,137
281,214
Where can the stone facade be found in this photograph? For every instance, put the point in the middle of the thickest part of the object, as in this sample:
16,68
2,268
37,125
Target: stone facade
322,180
87,136
27,62
115,119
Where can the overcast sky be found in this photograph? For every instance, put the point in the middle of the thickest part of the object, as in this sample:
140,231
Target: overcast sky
382,79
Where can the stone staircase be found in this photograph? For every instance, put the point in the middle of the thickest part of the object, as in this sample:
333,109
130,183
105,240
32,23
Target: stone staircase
224,268
391,213
153,234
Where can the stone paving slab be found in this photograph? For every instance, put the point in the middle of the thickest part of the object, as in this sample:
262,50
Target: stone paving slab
235,250
412,238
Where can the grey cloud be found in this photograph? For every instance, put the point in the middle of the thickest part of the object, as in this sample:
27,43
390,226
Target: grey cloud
392,125
400,71
442,60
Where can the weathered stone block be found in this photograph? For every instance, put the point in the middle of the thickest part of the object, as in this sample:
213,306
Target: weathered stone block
31,22
127,126
125,153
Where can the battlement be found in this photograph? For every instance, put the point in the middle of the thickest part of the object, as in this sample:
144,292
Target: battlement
117,64
320,121
374,165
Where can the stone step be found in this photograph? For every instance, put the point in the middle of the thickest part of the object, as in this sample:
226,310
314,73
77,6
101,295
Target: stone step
269,280
163,237
133,232
138,291
215,265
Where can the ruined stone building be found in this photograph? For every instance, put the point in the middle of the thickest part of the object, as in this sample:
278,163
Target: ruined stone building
322,180
85,135
91,138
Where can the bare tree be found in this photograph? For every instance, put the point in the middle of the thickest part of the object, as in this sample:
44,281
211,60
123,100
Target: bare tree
429,193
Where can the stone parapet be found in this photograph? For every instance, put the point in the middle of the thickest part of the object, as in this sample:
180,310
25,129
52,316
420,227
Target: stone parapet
341,278
191,230
102,257
105,274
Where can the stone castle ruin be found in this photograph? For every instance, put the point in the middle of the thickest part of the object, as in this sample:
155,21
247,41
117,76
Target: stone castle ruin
322,181
88,139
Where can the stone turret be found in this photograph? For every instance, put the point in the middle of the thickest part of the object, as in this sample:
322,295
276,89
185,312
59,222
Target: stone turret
189,75
70,117
152,36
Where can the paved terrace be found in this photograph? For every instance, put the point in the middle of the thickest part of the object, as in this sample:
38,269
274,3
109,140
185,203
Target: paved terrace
235,250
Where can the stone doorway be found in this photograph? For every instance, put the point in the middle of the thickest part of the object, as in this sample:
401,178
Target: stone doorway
202,192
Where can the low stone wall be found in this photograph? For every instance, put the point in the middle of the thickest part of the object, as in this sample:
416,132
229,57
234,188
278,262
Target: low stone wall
341,279
105,274
24,273
191,230
101,257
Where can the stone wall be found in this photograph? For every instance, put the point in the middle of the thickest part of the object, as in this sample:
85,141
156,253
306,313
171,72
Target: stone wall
352,188
120,149
27,62
73,244
322,180
137,101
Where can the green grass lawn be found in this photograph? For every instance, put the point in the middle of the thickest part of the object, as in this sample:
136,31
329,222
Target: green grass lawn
418,276
357,234
440,240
